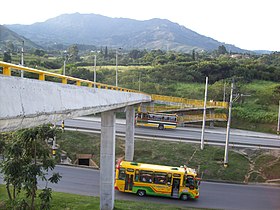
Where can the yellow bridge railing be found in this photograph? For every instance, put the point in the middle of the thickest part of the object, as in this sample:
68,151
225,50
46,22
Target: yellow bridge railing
190,102
199,117
8,68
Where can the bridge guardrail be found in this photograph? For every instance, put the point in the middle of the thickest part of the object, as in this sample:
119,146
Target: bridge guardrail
8,67
197,118
190,102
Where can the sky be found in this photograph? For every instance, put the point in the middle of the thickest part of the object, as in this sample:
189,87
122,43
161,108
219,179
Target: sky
248,24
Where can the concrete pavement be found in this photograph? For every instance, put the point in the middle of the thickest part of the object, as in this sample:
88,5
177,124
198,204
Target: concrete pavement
217,130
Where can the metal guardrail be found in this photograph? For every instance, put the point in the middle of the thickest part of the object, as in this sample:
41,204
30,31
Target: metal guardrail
8,67
199,117
190,102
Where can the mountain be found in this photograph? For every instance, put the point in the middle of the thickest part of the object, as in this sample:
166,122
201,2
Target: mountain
92,29
7,35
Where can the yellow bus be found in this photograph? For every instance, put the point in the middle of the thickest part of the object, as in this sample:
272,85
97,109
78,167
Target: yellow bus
148,179
158,120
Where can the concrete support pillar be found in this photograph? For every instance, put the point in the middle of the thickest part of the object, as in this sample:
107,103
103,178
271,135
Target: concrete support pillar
107,160
212,116
129,135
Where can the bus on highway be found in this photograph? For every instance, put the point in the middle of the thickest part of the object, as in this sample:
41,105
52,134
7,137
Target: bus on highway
149,179
158,120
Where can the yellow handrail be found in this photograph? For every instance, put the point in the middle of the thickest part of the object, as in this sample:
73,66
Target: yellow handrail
190,102
199,117
7,69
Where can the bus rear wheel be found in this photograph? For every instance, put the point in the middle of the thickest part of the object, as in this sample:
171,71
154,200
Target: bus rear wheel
184,197
141,193
160,127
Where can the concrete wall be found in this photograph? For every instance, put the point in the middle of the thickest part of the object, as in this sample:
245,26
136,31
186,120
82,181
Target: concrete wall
28,102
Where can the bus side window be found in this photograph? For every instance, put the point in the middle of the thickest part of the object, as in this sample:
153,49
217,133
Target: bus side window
146,176
169,176
160,178
122,174
137,175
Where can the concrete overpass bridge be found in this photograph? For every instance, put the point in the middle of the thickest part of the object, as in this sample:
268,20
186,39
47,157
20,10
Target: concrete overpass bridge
26,102
50,97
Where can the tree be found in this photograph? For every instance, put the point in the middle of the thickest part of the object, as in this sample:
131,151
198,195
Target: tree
7,57
10,46
193,54
27,159
73,53
106,53
222,50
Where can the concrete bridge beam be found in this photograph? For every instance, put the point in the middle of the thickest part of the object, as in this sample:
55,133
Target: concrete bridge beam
27,102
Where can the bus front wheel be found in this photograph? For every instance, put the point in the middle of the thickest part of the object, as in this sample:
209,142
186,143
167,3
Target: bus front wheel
141,193
184,197
160,127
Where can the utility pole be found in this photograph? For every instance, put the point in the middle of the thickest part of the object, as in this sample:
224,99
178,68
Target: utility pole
54,142
94,74
204,116
278,126
64,68
117,68
228,126
139,82
64,63
22,62
224,98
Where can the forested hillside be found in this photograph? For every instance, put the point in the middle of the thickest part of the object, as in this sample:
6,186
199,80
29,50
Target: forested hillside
93,29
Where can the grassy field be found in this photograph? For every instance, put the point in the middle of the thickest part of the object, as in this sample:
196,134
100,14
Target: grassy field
245,165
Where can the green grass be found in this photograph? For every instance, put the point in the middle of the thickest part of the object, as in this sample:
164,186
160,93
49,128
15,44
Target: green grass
209,161
66,201
260,85
269,165
189,90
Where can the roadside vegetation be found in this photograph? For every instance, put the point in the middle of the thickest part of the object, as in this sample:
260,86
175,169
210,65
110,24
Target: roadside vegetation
245,165
26,159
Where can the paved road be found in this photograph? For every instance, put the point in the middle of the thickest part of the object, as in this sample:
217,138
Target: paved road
212,136
85,181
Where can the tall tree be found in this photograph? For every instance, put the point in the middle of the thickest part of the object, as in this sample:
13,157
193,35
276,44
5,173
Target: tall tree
7,57
106,53
222,50
27,159
73,53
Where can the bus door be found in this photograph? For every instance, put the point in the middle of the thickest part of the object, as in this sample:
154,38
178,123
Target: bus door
175,188
129,181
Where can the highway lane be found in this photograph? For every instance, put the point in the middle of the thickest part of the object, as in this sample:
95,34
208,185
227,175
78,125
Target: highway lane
212,136
85,181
